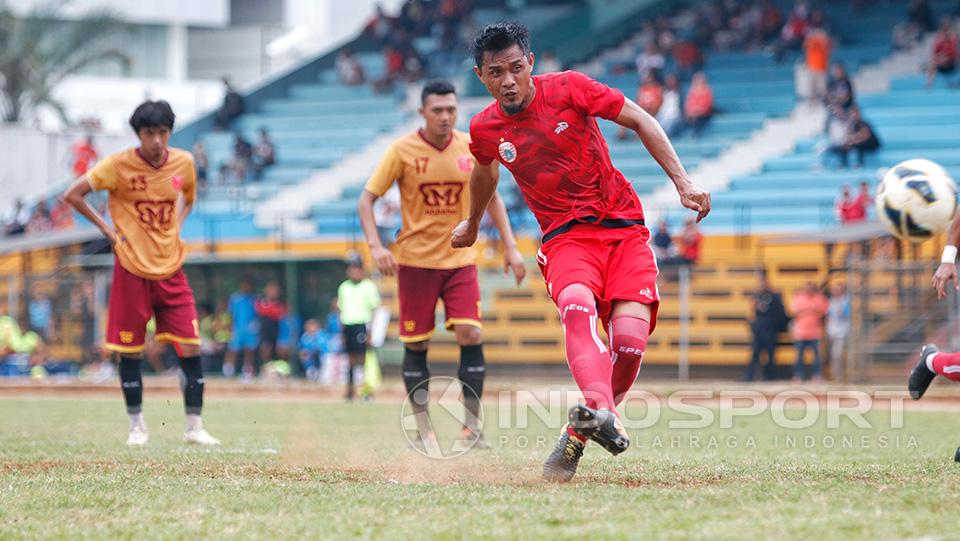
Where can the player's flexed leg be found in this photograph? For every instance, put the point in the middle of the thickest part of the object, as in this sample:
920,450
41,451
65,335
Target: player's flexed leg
145,186
594,256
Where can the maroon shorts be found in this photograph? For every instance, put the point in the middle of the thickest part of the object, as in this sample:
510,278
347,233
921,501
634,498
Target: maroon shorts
133,300
614,263
418,291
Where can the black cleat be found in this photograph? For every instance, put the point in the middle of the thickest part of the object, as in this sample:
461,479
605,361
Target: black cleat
956,456
561,465
921,376
602,426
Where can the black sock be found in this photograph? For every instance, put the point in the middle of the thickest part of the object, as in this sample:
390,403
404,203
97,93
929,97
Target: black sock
131,383
415,376
471,373
191,383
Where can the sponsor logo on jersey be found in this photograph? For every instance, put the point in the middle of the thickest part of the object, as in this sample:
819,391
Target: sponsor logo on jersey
157,216
177,182
560,127
441,194
465,163
508,152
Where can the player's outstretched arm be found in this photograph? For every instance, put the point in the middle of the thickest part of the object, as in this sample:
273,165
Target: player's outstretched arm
512,258
381,256
75,196
483,184
947,271
633,117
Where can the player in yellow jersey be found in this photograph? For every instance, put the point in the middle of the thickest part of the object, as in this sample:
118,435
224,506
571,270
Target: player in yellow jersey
151,191
432,169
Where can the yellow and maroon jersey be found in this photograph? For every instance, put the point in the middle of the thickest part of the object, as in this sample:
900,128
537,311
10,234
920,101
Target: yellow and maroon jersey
434,197
143,204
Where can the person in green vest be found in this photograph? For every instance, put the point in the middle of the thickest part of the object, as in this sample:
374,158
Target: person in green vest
357,298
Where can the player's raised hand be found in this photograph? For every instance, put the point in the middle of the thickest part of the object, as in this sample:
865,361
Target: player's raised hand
513,261
384,260
695,199
945,273
464,235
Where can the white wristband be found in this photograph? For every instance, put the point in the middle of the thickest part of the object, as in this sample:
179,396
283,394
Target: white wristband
949,254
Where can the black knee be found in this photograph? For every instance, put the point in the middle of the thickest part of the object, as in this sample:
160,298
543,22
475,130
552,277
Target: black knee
472,371
131,382
416,376
191,382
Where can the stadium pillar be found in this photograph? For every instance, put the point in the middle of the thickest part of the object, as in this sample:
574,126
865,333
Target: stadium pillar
293,299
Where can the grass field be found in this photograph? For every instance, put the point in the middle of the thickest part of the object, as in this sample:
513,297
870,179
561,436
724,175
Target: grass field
309,469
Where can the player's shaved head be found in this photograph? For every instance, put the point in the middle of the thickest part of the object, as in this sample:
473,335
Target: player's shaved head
498,37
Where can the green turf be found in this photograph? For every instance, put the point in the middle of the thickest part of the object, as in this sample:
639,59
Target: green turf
315,470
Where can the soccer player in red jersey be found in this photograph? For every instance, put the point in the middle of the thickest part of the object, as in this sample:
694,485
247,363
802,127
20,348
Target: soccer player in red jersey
595,255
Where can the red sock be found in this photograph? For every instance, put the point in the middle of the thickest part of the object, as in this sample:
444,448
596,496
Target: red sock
947,365
587,357
628,341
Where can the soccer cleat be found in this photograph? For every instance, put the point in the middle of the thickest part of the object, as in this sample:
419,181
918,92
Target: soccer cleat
921,376
199,436
561,465
602,426
138,436
471,440
427,444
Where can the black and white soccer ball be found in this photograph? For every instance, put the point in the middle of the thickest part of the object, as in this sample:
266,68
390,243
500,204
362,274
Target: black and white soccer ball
916,200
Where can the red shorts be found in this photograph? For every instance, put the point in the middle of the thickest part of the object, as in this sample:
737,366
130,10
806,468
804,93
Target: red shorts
418,290
614,263
133,300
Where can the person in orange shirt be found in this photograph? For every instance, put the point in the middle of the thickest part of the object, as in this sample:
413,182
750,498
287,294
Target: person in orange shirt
809,309
151,191
432,168
649,98
817,46
698,107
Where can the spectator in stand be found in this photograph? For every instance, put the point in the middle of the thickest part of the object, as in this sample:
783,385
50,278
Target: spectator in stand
945,55
379,26
40,314
851,209
862,139
792,33
769,320
16,219
838,328
687,57
809,309
312,347
232,107
771,20
40,221
394,62
348,68
649,98
547,63
698,107
81,312
838,132
920,14
62,216
200,163
263,154
246,332
817,46
650,59
242,156
840,89
270,310
690,241
84,156
670,115
906,36
662,241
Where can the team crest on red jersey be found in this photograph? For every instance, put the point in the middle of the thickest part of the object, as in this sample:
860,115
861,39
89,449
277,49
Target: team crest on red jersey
465,163
177,182
508,152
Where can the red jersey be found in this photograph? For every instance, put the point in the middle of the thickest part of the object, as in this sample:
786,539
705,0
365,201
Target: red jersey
556,152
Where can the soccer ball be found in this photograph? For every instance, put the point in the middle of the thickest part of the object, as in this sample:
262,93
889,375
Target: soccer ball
916,200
